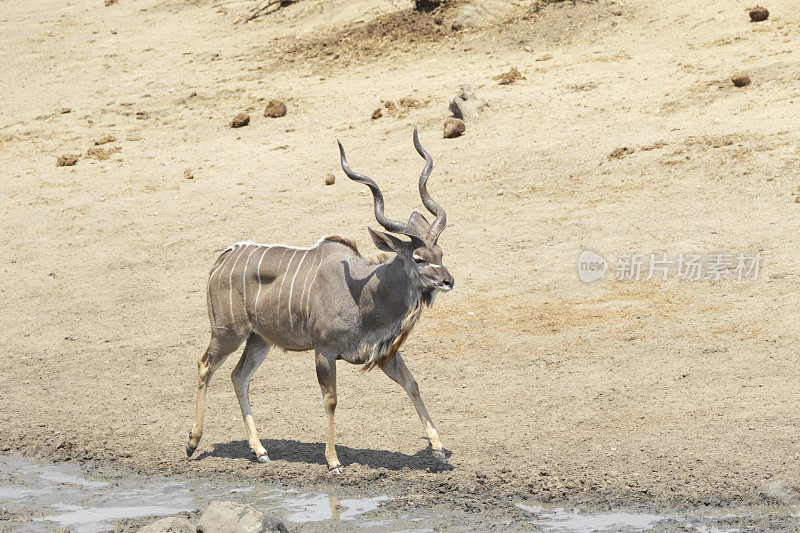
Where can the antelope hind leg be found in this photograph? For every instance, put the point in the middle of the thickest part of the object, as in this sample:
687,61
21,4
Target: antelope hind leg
397,370
326,375
255,351
218,350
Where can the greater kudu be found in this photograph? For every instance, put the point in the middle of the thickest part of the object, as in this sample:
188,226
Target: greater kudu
328,298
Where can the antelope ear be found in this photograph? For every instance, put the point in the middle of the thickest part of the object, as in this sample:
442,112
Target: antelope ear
384,241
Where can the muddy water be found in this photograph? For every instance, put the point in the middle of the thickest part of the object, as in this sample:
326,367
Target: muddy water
37,495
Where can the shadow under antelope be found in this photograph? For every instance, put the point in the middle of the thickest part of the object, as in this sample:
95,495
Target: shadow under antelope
328,298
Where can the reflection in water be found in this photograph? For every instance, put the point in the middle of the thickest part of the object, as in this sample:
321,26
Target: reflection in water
334,503
42,495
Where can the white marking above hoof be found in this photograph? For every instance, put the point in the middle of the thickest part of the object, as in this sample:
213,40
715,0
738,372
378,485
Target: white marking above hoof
263,459
337,470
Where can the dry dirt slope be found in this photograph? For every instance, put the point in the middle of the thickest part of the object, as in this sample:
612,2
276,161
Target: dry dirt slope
543,387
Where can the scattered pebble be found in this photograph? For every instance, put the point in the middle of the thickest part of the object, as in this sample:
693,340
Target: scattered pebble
758,13
101,154
507,78
501,192
105,139
544,57
142,115
110,2
621,152
400,109
242,119
330,179
453,127
741,80
275,109
67,160
187,174
65,110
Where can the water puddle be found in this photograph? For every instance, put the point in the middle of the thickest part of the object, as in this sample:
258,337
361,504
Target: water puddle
39,496
552,519
555,519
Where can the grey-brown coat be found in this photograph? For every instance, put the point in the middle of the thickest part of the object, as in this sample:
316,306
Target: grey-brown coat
328,298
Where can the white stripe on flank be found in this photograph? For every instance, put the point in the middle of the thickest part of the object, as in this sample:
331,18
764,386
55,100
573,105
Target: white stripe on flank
305,283
285,273
220,265
208,289
244,287
308,298
255,304
230,279
291,289
224,261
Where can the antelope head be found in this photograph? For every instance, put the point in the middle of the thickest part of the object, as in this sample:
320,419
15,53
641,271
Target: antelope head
420,255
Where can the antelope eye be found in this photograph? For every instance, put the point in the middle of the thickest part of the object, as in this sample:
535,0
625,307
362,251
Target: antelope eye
418,260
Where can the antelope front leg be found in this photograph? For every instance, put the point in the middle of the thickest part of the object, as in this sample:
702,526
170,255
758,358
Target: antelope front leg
326,375
397,370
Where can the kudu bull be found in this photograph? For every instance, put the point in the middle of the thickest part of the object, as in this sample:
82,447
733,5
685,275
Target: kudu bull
328,298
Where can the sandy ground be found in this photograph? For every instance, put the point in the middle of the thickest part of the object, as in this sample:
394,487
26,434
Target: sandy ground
544,388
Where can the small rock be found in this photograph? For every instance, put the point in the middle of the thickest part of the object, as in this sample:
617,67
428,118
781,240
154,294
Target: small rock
544,57
224,517
330,179
465,92
465,105
409,103
453,127
469,16
378,113
142,115
65,110
501,192
741,80
169,525
104,140
275,109
621,152
187,174
101,154
67,160
110,2
242,119
390,107
758,13
507,78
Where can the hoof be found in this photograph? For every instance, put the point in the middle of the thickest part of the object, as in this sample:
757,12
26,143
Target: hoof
263,459
189,450
439,454
336,470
